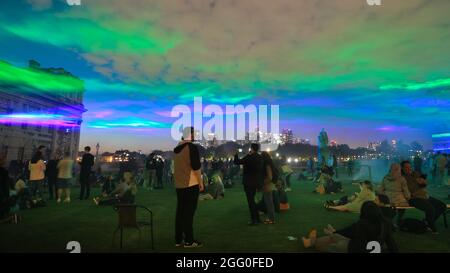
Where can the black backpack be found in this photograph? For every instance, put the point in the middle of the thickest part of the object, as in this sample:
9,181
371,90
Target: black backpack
413,226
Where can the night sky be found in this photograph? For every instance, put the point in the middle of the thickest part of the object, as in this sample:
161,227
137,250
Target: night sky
363,73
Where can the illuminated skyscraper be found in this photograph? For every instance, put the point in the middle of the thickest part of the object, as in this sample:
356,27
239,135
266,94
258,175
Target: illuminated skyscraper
287,137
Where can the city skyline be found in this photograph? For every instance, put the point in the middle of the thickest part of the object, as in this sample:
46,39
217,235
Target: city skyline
364,73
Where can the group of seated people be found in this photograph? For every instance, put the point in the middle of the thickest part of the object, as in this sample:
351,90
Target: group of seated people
407,188
373,225
354,202
401,188
123,193
17,196
214,186
325,182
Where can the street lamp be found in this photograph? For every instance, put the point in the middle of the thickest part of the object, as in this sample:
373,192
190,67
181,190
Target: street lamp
96,153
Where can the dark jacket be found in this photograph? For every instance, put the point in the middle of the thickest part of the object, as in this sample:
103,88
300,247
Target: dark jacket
51,171
365,232
159,167
4,192
253,175
417,190
87,162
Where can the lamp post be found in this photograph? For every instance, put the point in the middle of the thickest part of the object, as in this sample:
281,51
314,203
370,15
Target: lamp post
97,147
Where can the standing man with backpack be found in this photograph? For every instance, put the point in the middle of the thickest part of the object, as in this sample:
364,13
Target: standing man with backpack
252,178
188,184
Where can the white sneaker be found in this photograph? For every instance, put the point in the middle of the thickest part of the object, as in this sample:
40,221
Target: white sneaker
59,200
67,200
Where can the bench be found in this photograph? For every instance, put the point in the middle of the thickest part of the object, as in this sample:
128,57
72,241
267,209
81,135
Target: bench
444,215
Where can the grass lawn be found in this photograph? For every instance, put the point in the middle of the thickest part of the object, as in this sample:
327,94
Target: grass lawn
220,225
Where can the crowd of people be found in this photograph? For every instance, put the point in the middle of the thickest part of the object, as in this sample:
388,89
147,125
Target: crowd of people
22,186
403,187
196,179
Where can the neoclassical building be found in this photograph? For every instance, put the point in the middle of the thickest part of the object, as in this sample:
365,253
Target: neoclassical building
19,140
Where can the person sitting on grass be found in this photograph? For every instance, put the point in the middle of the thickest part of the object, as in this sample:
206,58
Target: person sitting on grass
108,186
354,203
371,226
23,194
326,184
215,189
282,198
286,172
124,193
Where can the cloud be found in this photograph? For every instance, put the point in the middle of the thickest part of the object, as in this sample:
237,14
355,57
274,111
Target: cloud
40,4
319,59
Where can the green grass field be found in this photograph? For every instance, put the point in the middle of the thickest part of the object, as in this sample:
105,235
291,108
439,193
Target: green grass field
221,225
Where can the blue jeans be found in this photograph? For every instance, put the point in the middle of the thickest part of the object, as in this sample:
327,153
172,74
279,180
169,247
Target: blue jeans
36,187
268,200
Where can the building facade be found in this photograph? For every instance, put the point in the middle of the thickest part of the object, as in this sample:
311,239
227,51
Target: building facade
20,140
441,142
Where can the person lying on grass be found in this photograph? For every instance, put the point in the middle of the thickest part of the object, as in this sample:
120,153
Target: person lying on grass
371,226
354,202
124,193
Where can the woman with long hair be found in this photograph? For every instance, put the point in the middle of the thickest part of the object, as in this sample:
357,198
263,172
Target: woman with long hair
395,187
37,174
268,187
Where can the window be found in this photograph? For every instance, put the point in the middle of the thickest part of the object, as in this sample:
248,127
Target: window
4,151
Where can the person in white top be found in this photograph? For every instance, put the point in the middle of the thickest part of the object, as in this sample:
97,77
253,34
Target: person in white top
37,175
65,175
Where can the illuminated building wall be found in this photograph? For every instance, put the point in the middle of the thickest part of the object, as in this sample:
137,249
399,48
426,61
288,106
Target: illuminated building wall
441,142
30,117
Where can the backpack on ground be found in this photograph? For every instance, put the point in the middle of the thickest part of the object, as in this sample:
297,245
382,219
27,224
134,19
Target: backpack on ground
413,226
